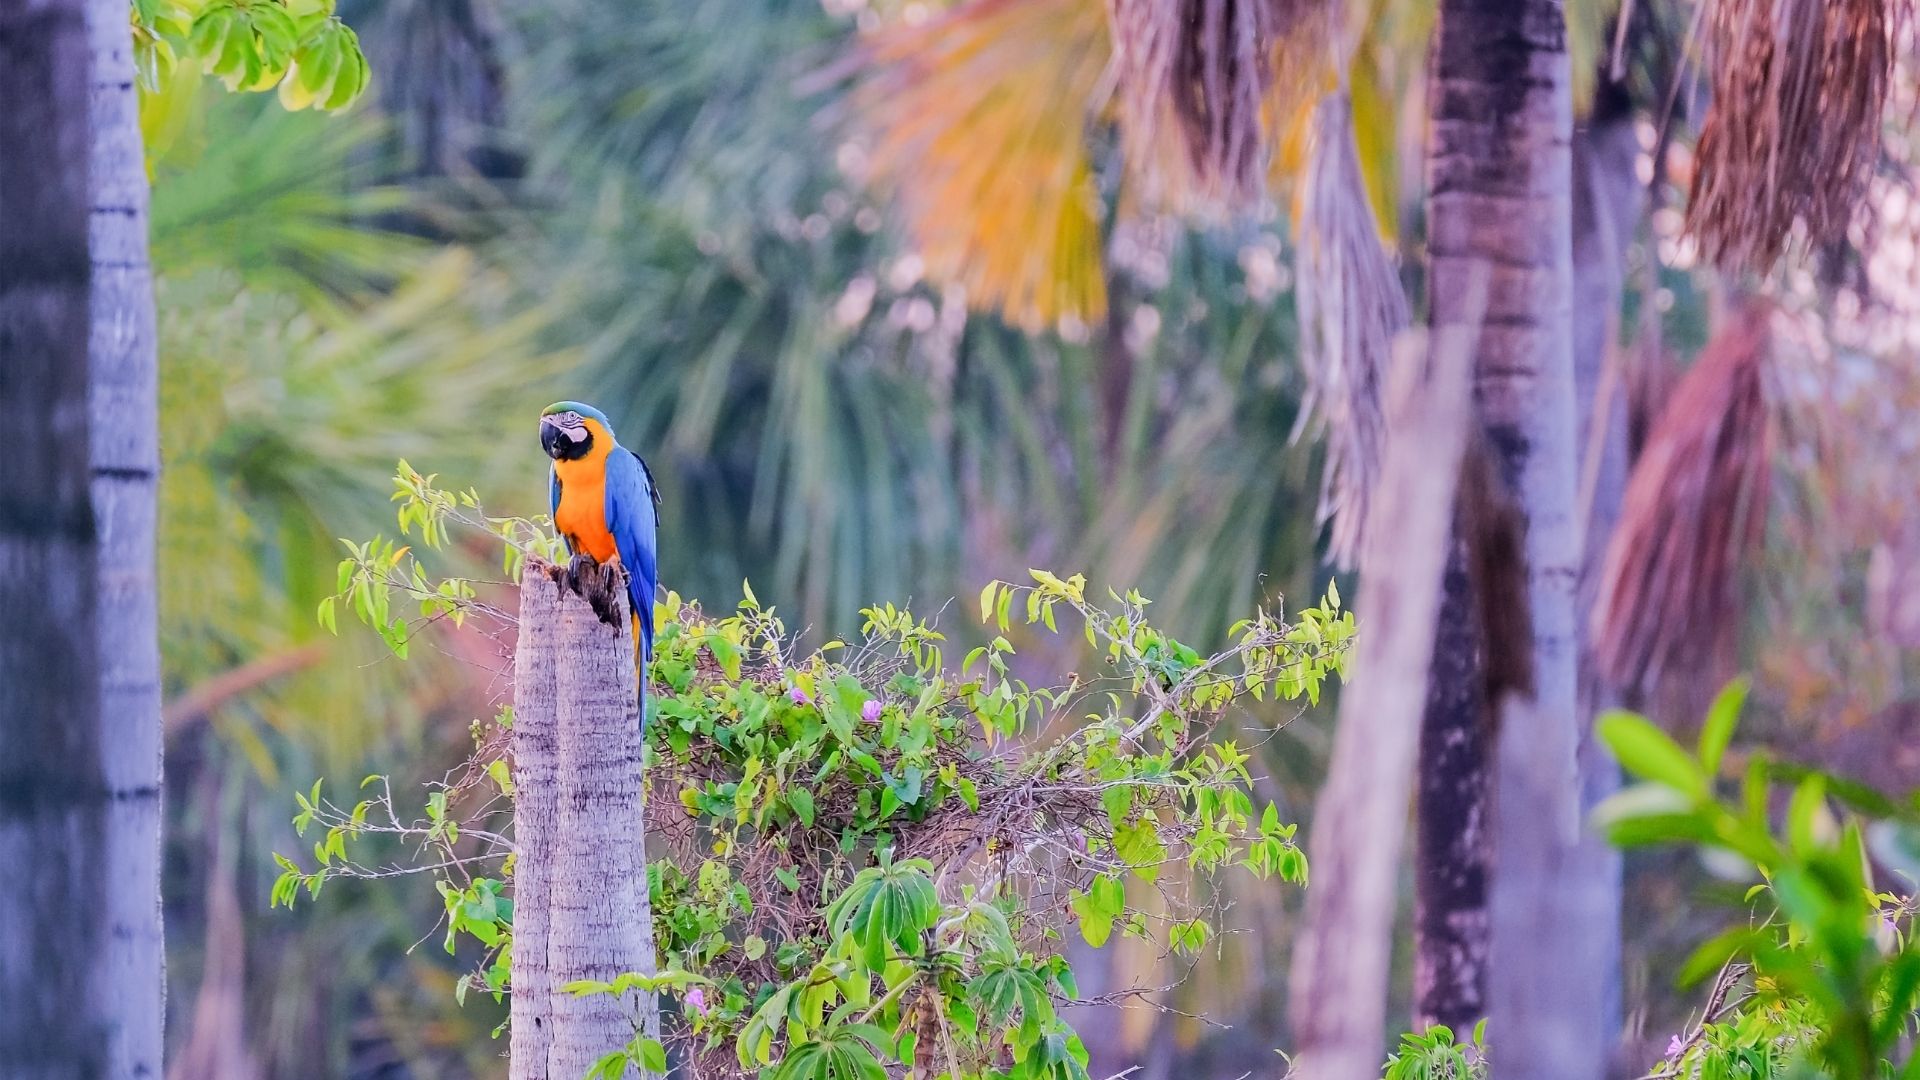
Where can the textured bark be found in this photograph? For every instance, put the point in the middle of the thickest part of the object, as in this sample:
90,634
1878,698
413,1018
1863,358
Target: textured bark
1500,177
1454,848
536,810
580,878
124,402
1339,978
1453,839
54,798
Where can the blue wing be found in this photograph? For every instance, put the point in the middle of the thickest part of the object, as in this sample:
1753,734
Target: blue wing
553,497
633,521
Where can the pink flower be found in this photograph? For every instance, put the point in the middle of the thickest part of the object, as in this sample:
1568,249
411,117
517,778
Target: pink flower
798,695
1676,1046
870,711
697,1000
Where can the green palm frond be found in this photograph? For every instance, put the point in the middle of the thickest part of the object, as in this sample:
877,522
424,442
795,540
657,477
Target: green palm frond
918,451
291,383
696,106
291,199
281,426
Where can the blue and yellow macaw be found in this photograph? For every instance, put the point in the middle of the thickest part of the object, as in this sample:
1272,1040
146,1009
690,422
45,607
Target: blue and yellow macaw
605,505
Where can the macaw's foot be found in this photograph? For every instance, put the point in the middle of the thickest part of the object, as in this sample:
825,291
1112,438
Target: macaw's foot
580,570
600,586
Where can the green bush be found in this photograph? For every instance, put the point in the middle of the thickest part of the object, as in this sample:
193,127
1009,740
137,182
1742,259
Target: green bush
863,856
1823,980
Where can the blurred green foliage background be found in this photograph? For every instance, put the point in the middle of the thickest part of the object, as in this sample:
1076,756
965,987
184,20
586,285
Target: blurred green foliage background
675,211
648,206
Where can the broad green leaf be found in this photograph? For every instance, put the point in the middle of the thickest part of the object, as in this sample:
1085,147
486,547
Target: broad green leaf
1096,925
802,802
1722,716
1651,753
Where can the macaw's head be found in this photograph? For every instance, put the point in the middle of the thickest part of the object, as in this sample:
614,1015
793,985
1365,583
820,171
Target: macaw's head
570,431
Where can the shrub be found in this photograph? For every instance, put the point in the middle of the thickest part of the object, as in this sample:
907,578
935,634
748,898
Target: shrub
861,855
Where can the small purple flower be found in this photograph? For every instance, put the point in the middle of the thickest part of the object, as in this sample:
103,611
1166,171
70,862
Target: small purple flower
799,696
870,712
1676,1046
697,1000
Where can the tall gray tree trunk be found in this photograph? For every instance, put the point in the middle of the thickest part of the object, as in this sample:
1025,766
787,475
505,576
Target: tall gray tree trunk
57,1023
1500,176
1454,847
1607,203
581,908
124,399
1340,966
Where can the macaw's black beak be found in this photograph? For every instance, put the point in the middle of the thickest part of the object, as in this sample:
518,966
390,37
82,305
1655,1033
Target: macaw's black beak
561,443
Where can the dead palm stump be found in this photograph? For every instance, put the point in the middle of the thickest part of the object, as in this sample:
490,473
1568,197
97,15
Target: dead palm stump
580,874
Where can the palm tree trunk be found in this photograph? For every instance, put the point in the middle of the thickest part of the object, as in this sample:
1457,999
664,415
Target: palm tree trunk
124,402
536,809
54,798
1500,177
1454,848
581,908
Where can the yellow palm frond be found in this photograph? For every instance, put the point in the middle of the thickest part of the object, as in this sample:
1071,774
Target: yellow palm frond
979,120
1374,98
1378,47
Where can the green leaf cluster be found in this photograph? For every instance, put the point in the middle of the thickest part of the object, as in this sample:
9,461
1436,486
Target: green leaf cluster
299,46
1434,1054
1825,976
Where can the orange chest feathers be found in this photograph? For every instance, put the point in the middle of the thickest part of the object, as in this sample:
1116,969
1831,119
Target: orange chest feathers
581,516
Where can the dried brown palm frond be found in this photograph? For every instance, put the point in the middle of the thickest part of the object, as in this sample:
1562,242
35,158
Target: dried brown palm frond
1694,511
1794,130
1352,307
1225,75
